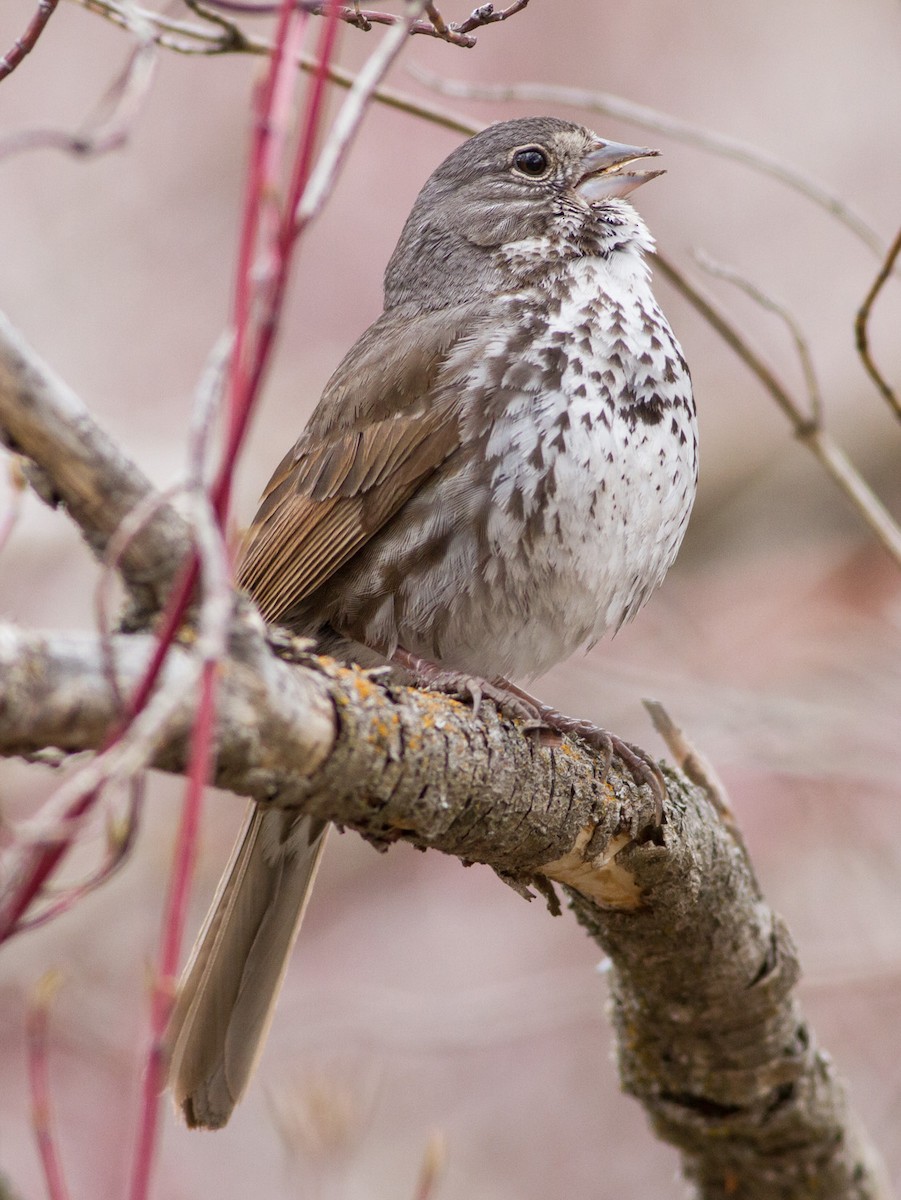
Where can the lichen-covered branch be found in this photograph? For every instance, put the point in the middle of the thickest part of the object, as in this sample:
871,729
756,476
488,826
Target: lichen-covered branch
709,1036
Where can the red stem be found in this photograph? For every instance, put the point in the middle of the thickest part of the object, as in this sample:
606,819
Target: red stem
43,859
243,391
262,178
284,248
173,931
26,43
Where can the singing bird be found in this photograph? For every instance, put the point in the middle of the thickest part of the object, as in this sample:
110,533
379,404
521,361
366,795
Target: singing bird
499,472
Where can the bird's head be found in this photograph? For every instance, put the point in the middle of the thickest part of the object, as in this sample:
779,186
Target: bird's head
538,187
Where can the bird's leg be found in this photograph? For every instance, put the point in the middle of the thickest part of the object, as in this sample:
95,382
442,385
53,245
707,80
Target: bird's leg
514,702
643,768
473,688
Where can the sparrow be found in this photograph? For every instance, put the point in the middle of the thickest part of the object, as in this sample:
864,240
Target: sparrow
498,473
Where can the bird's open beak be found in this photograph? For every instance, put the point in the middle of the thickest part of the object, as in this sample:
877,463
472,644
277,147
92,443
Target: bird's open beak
604,174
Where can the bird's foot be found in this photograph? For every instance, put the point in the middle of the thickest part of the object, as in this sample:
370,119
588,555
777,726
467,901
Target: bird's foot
539,718
642,767
472,688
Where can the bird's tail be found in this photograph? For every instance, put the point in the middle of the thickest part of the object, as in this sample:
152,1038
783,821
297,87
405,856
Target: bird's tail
229,988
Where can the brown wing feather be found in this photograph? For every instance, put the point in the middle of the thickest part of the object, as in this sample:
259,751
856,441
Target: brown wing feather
386,421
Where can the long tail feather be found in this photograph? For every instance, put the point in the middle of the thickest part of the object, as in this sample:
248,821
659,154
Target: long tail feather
229,988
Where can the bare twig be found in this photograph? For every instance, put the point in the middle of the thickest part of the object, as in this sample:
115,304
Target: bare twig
134,745
349,119
689,759
26,43
660,122
131,527
17,485
121,834
173,924
487,14
38,1075
456,33
862,320
184,38
432,1166
868,505
214,621
721,271
109,125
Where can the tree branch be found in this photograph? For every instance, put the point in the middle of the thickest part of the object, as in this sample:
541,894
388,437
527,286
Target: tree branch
710,1039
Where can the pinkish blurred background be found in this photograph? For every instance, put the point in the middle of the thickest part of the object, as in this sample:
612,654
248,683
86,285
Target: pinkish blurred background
424,997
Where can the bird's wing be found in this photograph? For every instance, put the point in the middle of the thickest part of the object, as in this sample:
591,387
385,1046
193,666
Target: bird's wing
388,418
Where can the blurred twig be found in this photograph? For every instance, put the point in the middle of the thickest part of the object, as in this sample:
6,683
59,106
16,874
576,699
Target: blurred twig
109,125
121,834
660,122
432,1166
26,43
836,463
17,485
37,1030
862,321
689,759
757,294
347,124
185,38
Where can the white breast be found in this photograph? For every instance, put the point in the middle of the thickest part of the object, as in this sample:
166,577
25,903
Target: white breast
506,567
580,541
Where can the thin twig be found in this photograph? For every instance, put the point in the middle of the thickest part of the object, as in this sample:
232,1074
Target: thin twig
184,38
660,122
109,125
689,759
174,918
730,275
350,117
121,834
215,619
453,32
432,1166
17,486
232,34
861,322
875,515
131,527
487,14
37,1029
26,43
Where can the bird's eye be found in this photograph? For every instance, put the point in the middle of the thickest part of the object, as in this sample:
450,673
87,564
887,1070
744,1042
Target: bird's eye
531,161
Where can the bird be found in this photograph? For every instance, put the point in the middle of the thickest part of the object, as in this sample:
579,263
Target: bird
498,473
